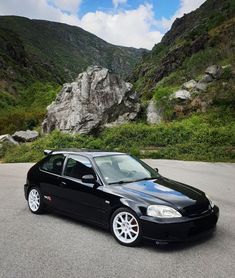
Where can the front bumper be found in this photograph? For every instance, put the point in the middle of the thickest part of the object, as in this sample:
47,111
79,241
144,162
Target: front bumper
178,229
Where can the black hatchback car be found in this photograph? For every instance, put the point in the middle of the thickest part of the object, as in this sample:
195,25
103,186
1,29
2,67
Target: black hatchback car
121,193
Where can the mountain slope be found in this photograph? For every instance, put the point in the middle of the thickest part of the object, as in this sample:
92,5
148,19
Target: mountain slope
38,49
195,41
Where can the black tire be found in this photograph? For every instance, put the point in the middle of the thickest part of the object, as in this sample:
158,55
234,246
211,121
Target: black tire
136,231
37,209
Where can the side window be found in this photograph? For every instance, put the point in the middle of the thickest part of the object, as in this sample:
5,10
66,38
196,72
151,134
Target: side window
53,164
78,166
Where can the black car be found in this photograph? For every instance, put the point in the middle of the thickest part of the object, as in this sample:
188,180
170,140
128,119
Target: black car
121,193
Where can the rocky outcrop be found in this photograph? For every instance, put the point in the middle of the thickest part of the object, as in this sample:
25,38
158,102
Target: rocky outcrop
7,138
25,136
96,98
191,97
154,113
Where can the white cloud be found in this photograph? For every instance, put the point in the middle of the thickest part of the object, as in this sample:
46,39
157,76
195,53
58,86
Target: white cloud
67,5
37,9
128,28
116,3
186,6
30,8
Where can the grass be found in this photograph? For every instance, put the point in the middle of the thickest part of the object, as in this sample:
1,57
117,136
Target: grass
204,137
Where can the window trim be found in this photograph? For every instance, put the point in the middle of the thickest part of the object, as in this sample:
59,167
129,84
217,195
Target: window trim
48,172
97,174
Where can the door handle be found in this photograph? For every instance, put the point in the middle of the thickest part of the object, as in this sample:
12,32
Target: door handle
63,183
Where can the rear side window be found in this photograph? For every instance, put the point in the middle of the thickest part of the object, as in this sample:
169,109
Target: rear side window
53,164
78,166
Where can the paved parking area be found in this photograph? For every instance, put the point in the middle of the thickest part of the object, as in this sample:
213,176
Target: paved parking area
54,246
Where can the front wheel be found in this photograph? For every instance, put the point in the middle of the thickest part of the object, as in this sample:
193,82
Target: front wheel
35,201
125,227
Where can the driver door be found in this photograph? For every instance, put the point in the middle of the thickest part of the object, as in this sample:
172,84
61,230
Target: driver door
82,199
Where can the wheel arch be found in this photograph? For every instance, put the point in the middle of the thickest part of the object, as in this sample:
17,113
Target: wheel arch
28,189
126,203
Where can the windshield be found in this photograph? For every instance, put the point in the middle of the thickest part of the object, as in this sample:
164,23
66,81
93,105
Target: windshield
124,168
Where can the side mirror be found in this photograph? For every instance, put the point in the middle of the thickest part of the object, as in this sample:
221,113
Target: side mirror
156,169
89,179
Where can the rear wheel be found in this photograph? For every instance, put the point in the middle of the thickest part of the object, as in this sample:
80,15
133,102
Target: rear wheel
125,227
35,201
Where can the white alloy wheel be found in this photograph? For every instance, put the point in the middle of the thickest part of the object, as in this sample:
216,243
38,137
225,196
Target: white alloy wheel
125,227
34,200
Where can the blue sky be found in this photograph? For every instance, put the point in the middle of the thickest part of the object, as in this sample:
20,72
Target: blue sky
162,8
135,23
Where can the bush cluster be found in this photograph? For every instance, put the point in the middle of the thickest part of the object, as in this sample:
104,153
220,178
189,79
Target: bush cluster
208,137
30,108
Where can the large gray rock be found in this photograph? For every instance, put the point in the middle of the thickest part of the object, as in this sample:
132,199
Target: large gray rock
215,71
154,114
181,95
7,138
97,98
25,136
190,85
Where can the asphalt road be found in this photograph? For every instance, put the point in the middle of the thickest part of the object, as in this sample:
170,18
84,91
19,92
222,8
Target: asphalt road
53,246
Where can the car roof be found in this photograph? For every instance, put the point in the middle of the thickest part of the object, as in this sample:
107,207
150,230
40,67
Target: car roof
89,153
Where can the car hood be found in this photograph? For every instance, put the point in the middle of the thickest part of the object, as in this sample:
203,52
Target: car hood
189,200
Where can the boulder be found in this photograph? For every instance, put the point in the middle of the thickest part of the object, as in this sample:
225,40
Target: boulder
207,78
190,85
95,99
181,95
7,138
215,71
154,114
25,136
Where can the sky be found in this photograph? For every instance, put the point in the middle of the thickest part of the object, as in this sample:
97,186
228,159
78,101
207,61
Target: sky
135,23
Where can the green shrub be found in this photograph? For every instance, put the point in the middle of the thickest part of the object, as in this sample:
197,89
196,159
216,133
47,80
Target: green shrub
6,100
199,61
208,137
30,109
20,119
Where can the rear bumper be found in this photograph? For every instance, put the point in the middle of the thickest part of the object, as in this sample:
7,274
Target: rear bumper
179,229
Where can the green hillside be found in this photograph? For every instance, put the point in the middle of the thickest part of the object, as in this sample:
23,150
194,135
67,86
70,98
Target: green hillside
198,39
56,51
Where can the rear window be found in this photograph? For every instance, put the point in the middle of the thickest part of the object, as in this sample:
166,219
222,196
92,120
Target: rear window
53,164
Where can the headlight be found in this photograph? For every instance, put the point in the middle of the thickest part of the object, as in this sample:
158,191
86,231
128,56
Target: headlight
210,201
162,211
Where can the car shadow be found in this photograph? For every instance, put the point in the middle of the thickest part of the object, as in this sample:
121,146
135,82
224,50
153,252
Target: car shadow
80,222
148,244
